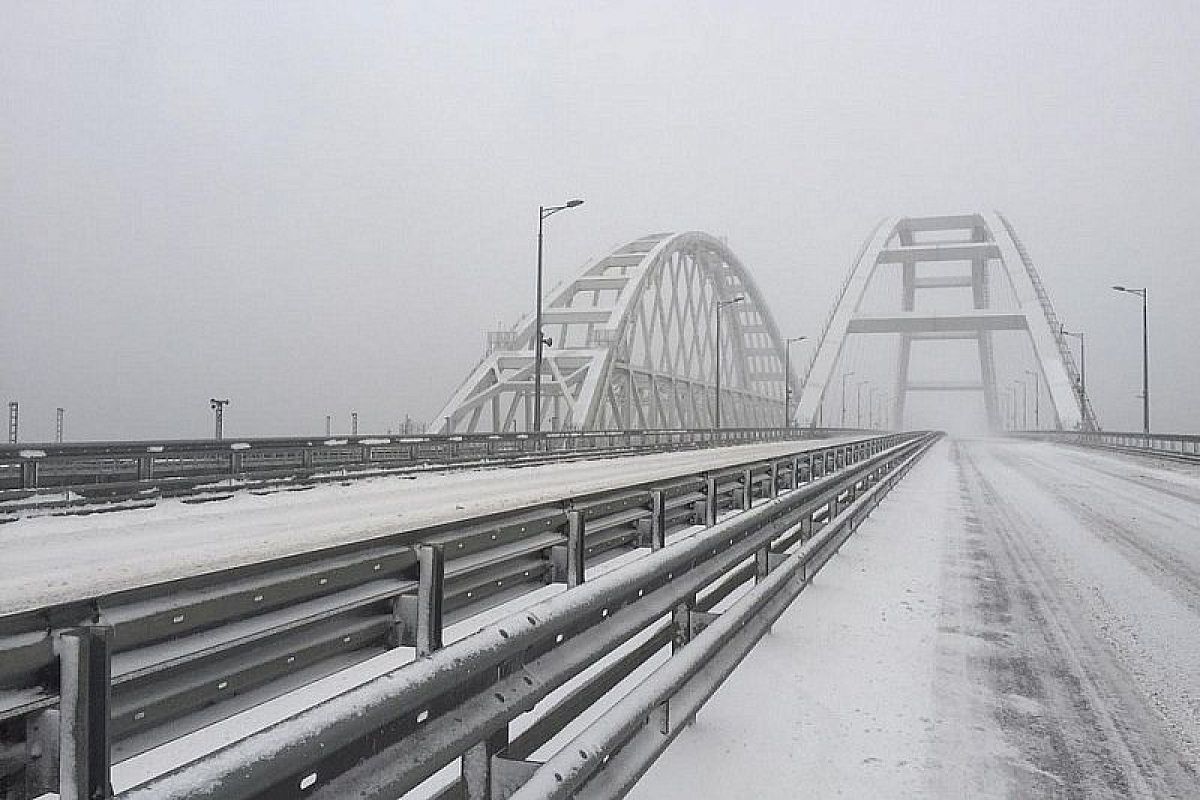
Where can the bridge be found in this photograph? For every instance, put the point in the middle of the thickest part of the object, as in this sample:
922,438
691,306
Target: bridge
682,579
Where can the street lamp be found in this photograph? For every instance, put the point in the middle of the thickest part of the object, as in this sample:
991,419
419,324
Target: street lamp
539,338
1145,356
842,421
858,404
1037,401
787,378
720,305
218,407
1082,360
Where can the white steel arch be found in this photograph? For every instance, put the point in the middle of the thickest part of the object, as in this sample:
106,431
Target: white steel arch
975,239
633,348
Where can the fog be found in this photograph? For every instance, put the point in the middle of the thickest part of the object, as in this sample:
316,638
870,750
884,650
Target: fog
315,209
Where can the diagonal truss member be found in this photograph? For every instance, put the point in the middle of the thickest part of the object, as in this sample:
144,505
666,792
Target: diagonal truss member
634,348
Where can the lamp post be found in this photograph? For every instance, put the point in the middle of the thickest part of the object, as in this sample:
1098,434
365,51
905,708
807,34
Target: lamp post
1037,400
1082,358
1142,293
858,404
842,421
787,378
717,409
539,339
218,407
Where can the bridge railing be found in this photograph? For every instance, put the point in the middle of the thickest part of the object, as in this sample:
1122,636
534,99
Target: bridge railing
175,655
125,469
1180,446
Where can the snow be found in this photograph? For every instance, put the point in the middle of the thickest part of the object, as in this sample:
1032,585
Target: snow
59,559
1015,620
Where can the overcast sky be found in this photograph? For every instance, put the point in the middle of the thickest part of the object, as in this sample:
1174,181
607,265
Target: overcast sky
318,208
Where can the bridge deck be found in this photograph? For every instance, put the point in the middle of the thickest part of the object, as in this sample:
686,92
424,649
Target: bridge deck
60,559
1016,620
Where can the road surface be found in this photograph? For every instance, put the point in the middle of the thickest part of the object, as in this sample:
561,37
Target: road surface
1017,619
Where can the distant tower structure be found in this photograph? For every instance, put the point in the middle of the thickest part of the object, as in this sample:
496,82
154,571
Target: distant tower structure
354,423
12,422
58,425
328,425
218,407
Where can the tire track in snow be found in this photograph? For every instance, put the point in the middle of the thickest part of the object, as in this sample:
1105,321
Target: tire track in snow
1063,700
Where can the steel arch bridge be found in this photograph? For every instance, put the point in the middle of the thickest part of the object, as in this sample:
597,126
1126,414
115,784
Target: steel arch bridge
633,347
974,241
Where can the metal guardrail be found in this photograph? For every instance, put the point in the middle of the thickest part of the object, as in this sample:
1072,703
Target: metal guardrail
57,475
204,642
1176,446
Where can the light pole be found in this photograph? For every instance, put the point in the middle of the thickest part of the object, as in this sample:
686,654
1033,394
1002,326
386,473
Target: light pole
842,421
1037,399
218,407
539,338
1142,293
858,404
717,410
787,378
1082,358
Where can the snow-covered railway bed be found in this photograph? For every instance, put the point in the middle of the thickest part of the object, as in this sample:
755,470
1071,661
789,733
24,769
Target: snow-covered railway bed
1020,619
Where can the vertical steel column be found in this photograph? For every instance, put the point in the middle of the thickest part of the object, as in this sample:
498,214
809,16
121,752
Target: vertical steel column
575,548
658,519
85,697
710,501
747,489
430,592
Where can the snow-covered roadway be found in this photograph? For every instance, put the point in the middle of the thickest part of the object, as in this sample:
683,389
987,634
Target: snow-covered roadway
57,559
1017,619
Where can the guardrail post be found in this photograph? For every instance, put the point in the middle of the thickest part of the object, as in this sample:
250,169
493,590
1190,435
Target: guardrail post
658,519
85,696
567,560
430,591
795,479
773,491
29,473
477,767
747,489
710,501
575,548
762,563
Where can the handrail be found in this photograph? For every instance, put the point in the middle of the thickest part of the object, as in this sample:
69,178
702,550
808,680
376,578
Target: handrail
1180,446
96,468
180,643
385,736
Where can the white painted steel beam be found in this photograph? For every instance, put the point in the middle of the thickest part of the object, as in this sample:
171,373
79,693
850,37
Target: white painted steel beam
938,252
916,322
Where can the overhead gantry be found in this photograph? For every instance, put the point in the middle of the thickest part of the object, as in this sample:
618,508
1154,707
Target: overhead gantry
972,241
634,347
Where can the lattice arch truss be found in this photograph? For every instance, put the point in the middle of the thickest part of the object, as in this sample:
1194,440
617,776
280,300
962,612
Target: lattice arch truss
634,348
